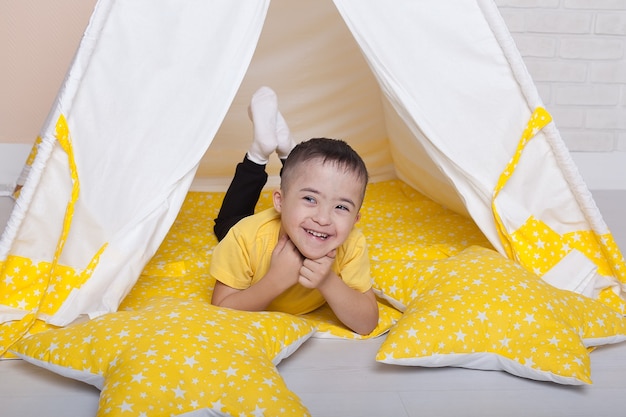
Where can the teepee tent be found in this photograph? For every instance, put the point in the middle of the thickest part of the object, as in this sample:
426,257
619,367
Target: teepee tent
431,92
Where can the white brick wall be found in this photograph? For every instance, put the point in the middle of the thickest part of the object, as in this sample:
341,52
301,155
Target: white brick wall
575,50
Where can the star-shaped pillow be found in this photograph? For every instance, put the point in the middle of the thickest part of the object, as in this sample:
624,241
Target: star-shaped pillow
480,310
176,356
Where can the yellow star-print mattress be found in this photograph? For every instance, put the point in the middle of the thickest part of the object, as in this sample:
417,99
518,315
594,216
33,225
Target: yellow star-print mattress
399,223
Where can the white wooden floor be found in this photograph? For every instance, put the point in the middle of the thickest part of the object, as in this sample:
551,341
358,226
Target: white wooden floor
340,378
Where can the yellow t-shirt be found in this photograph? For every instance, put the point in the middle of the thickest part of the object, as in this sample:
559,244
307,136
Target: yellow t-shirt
243,257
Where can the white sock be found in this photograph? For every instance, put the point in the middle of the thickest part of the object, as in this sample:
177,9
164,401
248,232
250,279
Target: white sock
284,138
262,111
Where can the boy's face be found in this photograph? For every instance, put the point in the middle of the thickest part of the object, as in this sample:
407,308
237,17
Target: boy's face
319,207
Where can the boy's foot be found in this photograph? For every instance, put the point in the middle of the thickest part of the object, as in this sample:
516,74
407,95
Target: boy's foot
284,138
262,111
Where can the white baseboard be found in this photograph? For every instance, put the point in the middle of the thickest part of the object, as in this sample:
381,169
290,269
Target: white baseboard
12,159
602,170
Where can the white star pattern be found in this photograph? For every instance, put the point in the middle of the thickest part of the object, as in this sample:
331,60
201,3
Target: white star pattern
258,412
138,377
8,280
126,406
231,371
191,361
178,392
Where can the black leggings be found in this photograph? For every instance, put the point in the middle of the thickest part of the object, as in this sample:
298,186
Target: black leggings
241,196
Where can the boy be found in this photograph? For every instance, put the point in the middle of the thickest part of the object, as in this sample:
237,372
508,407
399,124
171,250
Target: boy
305,251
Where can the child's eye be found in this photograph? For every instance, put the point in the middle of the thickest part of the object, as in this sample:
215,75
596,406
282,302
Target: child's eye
309,199
344,208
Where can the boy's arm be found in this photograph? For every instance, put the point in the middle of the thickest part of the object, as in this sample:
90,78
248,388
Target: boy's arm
282,274
254,298
357,310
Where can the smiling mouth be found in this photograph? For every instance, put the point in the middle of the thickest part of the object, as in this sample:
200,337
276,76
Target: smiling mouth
317,234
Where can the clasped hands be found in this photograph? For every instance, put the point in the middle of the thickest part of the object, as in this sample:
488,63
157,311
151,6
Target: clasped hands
310,273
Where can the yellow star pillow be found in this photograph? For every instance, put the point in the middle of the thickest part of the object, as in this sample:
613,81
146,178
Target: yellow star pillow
480,310
176,356
404,229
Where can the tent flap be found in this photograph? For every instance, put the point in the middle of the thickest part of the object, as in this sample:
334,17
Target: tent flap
143,99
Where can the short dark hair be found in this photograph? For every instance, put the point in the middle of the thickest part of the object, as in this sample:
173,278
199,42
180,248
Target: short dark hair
335,151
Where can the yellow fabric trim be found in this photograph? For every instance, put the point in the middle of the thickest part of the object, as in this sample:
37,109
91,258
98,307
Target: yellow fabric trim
539,119
63,136
43,286
57,272
19,328
536,246
33,151
540,248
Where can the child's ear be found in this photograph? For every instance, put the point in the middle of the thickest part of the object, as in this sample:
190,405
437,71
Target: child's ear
358,217
277,198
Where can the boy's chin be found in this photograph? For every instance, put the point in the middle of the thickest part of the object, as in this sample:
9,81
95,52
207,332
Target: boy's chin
314,254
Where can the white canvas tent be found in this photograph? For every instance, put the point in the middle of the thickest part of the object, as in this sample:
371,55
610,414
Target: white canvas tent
431,92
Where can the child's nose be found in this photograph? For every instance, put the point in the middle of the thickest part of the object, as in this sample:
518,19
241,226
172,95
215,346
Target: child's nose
322,216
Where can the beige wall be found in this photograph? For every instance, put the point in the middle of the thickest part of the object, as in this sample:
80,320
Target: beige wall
37,42
38,39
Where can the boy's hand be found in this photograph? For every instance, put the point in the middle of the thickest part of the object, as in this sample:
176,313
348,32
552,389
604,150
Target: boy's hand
286,259
314,272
